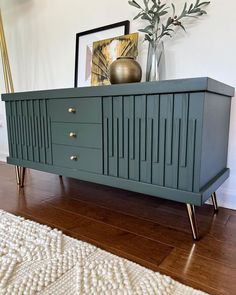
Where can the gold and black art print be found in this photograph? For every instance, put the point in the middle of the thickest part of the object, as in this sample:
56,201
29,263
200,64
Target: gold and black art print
106,51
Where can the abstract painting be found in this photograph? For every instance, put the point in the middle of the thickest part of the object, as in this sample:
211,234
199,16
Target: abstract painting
106,51
84,48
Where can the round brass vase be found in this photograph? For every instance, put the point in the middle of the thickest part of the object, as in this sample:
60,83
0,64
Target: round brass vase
125,70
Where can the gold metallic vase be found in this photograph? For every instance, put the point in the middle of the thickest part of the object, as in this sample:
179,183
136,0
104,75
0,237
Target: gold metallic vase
125,70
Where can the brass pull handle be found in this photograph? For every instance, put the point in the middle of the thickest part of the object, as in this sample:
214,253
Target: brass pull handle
72,134
73,158
72,110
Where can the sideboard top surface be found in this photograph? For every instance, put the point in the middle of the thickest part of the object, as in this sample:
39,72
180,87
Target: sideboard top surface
203,84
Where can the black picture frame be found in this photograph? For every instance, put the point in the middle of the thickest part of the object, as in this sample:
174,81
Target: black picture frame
125,24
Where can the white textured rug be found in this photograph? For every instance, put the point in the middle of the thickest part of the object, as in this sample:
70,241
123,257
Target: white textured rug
35,259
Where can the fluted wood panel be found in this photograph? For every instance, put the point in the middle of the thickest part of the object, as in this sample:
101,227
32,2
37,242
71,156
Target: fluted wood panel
153,138
29,130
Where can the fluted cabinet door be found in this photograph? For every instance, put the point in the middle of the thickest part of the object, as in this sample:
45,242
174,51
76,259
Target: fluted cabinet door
29,130
153,138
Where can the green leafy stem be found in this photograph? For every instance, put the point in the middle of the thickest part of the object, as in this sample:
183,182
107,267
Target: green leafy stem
160,24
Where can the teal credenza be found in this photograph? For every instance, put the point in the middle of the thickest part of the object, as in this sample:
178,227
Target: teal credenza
167,139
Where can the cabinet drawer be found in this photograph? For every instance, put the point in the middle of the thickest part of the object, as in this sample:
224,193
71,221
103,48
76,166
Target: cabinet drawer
83,158
81,135
82,110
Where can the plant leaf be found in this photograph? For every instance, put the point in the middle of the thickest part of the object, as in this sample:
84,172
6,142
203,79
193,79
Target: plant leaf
134,3
204,3
149,27
163,28
145,31
173,6
167,34
190,8
163,13
148,38
146,17
160,7
169,21
146,4
182,27
184,9
138,15
151,12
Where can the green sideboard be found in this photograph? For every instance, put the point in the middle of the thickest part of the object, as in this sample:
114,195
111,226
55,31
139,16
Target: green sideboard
167,139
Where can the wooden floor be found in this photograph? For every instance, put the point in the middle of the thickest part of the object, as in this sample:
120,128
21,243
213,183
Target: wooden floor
152,232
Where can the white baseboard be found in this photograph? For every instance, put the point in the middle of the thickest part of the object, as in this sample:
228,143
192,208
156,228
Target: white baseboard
3,157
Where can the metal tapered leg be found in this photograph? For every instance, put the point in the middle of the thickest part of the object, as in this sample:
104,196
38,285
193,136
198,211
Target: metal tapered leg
17,169
22,180
192,220
20,175
214,202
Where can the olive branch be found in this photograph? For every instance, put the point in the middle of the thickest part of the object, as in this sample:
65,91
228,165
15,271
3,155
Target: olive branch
160,24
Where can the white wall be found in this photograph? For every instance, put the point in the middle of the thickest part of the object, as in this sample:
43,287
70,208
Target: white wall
41,43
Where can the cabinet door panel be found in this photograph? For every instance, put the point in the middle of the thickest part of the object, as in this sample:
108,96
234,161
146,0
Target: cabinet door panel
154,138
29,130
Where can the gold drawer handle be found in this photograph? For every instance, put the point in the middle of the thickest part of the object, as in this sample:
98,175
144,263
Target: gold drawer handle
72,134
73,158
72,110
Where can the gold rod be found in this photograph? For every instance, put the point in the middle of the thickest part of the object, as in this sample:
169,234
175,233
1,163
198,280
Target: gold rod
5,59
6,55
4,66
20,172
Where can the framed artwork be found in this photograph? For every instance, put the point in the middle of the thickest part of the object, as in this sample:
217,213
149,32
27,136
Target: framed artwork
106,51
84,48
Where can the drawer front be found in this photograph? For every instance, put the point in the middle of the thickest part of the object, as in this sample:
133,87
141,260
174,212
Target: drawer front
82,110
81,135
77,158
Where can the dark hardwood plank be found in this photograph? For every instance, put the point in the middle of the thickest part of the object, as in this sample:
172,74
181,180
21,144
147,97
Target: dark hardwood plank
231,221
97,242
157,214
209,272
147,249
222,251
150,231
